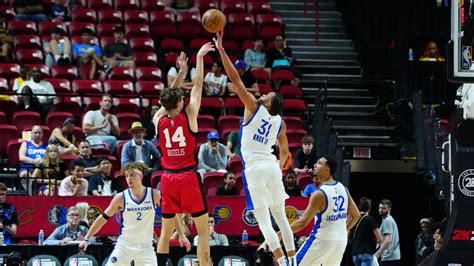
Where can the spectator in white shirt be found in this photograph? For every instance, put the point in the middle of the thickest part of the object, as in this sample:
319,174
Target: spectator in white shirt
38,94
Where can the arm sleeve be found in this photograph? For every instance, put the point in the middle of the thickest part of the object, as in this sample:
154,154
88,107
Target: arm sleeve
88,118
248,58
125,159
53,239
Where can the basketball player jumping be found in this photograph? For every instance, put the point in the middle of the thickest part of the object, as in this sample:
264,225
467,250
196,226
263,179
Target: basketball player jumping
262,176
181,185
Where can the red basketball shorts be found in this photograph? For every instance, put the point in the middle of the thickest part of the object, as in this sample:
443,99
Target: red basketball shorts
182,193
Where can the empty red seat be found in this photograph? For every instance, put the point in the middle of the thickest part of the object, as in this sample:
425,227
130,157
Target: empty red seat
3,118
291,91
233,102
161,32
10,71
87,87
146,59
269,26
264,88
126,119
170,60
235,165
293,147
142,44
211,102
295,135
204,5
171,45
9,132
100,4
13,147
190,17
122,73
282,74
159,18
212,180
70,72
189,31
126,4
18,27
123,105
208,61
261,76
137,30
29,56
75,28
228,122
106,29
44,27
70,104
8,107
206,121
231,47
262,7
56,119
293,122
123,87
241,26
155,178
149,73
150,88
8,12
110,16
43,68
84,15
294,105
152,5
303,180
26,42
232,6
24,119
135,17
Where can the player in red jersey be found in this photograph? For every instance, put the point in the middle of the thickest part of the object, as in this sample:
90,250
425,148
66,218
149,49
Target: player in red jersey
181,186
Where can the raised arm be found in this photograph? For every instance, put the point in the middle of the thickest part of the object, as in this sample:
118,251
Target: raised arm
183,69
196,92
246,97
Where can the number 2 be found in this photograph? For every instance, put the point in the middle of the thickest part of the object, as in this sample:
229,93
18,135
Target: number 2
178,136
338,204
264,130
139,216
470,182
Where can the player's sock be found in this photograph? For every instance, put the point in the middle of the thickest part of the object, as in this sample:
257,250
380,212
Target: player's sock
282,261
162,259
292,261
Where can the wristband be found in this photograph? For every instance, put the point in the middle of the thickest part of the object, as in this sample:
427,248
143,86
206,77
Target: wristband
86,240
106,217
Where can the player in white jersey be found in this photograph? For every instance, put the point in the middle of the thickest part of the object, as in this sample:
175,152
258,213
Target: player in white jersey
137,206
262,127
334,214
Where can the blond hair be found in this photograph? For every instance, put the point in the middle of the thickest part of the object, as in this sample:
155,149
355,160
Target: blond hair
48,162
83,208
134,166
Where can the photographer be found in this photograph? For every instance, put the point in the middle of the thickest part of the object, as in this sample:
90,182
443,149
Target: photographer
8,217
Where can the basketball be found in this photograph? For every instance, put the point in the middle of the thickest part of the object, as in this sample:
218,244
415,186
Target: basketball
213,20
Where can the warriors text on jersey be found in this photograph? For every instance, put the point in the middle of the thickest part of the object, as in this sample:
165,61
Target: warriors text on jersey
177,143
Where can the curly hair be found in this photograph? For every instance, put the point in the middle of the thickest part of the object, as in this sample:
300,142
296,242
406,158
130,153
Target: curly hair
134,166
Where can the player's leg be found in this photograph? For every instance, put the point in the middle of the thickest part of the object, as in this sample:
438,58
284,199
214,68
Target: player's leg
278,212
203,248
146,257
265,224
163,249
334,256
120,256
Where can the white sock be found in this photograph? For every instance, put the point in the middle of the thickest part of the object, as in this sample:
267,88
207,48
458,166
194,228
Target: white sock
282,261
292,261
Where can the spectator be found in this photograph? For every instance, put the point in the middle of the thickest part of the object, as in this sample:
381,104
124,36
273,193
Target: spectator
31,154
75,184
255,57
430,254
50,172
104,184
290,184
30,100
389,250
6,42
88,53
176,6
365,235
99,124
29,10
70,231
148,124
185,220
59,11
83,208
188,80
215,238
215,82
86,158
431,53
310,188
233,142
63,137
212,155
8,215
59,48
228,188
281,57
247,79
24,76
424,237
118,53
305,157
140,150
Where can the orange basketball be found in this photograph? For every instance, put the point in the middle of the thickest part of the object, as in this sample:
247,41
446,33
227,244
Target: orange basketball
213,20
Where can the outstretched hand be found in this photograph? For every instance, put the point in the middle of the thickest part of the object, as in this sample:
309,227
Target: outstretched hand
182,61
218,40
206,48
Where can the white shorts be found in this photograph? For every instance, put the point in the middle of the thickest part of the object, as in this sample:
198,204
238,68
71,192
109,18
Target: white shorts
263,185
321,253
124,252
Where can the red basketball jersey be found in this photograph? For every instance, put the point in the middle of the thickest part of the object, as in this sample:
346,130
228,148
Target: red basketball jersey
176,142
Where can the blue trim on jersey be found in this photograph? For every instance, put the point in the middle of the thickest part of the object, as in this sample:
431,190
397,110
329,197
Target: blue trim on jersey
144,196
279,129
153,199
330,184
248,198
250,120
121,213
327,202
309,241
